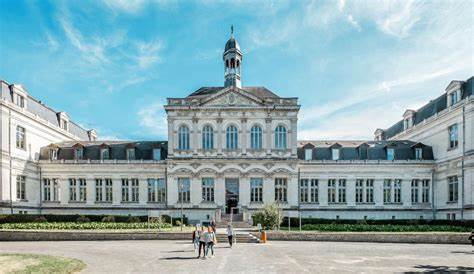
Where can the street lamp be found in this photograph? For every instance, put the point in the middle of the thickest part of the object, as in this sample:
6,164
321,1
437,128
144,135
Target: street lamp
181,188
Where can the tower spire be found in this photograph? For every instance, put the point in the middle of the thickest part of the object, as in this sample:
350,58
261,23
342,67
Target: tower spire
231,30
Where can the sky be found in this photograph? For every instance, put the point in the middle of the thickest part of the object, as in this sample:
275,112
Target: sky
355,65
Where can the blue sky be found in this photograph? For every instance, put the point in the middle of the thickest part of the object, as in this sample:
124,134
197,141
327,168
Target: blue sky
354,65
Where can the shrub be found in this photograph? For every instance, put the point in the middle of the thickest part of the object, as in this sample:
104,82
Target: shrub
40,219
83,219
108,219
133,219
269,217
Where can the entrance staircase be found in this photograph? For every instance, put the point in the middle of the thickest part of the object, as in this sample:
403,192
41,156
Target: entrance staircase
241,228
237,221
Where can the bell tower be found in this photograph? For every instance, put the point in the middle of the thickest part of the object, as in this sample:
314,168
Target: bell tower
232,62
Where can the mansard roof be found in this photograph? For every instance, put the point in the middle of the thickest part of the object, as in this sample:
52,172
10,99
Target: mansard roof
259,92
432,108
143,149
44,112
364,150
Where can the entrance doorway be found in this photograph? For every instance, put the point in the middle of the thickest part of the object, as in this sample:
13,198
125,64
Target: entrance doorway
231,195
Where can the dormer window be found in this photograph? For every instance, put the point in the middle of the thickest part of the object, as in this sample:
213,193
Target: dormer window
379,134
453,98
63,119
130,153
157,154
308,154
408,119
53,154
19,100
19,95
64,124
79,153
335,154
453,93
104,154
418,153
390,154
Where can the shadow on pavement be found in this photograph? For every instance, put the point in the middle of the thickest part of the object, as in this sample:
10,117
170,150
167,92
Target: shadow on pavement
179,258
463,252
443,269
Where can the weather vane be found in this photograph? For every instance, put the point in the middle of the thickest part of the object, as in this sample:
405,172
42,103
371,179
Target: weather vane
231,29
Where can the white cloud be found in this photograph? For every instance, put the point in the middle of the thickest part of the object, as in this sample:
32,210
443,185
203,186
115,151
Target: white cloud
147,53
129,6
52,43
153,118
353,22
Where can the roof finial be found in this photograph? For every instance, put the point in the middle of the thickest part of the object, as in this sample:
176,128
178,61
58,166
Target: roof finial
232,30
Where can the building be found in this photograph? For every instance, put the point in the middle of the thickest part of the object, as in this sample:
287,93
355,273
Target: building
234,149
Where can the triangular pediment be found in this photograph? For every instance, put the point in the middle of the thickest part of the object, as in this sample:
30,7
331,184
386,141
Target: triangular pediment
454,84
232,97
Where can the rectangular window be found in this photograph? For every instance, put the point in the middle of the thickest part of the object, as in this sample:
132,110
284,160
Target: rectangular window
125,190
156,190
20,137
108,190
415,183
314,191
256,190
152,188
20,187
99,194
369,191
46,189
104,154
184,190
82,190
397,191
308,154
135,190
425,191
53,154
390,154
418,153
208,189
19,100
50,190
72,189
304,195
130,154
281,190
79,153
335,154
359,194
157,154
454,98
341,191
452,189
453,136
331,190
387,191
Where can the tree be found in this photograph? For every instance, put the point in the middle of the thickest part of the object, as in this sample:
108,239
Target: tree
270,217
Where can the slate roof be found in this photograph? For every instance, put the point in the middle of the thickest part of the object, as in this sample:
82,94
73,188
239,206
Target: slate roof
430,109
117,149
363,150
259,92
231,44
41,110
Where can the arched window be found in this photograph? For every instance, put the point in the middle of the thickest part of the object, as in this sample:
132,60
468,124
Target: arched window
280,137
232,63
207,138
227,63
231,137
183,138
256,137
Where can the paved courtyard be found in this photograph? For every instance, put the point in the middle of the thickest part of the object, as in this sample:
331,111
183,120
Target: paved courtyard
273,257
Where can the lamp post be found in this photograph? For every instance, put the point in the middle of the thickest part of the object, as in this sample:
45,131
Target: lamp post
181,188
278,187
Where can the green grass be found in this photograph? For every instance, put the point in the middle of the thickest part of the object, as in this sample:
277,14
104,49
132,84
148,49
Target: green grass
34,263
85,226
379,228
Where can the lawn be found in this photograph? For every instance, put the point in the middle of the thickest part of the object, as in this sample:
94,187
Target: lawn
34,263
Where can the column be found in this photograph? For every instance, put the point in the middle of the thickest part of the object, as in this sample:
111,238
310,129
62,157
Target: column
196,190
293,190
243,134
218,136
268,135
323,191
378,192
194,142
171,191
142,191
268,190
64,190
293,136
406,192
116,191
219,191
170,136
244,191
90,190
350,191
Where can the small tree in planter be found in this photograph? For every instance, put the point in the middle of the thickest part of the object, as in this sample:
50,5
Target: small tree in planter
270,217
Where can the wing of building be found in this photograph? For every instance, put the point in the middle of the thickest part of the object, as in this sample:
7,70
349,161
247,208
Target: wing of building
232,149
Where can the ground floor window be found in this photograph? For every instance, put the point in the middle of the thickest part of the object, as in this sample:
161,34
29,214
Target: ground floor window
108,190
331,190
309,191
156,190
103,190
453,189
130,190
415,184
364,191
336,191
281,190
50,190
425,191
256,190
184,190
208,189
77,190
21,187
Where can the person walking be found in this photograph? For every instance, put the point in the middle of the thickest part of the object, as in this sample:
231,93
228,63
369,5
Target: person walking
202,243
210,241
196,237
230,234
472,238
213,225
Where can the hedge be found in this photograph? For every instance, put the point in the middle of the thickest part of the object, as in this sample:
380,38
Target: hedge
54,218
384,228
83,226
314,221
